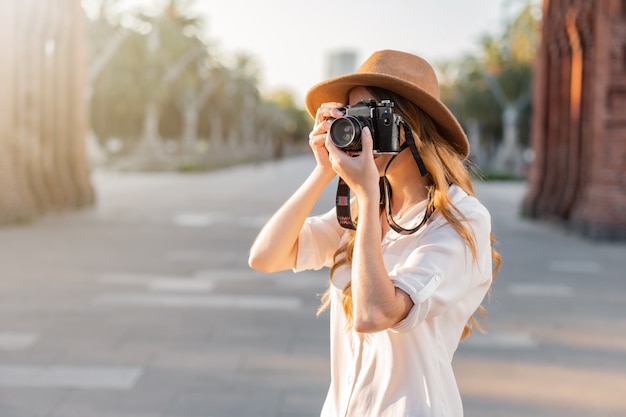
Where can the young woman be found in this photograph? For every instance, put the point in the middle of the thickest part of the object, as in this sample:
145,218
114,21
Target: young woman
408,274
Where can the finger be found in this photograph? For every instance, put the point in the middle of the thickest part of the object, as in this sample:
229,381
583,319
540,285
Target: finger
333,151
320,127
327,107
367,141
338,111
317,141
329,110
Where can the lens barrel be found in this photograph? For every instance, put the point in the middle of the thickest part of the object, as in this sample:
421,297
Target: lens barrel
345,133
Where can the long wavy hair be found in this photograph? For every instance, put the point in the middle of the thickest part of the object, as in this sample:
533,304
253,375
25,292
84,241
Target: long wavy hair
445,166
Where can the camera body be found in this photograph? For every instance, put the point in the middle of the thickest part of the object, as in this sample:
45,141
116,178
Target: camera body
382,121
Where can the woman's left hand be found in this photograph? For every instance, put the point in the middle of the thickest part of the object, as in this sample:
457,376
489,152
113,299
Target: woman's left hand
358,170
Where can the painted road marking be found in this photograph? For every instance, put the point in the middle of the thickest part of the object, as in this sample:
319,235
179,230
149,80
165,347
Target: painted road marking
17,341
576,267
185,301
195,219
159,283
179,285
286,279
539,289
80,377
210,218
506,340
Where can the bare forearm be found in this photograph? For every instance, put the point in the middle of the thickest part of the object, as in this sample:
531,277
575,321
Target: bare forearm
377,304
275,248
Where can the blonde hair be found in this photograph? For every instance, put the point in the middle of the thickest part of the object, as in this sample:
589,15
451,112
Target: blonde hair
445,167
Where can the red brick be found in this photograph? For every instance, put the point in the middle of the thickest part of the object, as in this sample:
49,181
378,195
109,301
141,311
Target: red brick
579,172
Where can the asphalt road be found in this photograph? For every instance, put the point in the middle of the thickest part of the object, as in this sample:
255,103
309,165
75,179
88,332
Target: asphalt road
144,307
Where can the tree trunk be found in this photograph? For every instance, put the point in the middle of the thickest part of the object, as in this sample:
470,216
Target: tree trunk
73,47
190,130
95,152
509,155
149,152
190,106
43,120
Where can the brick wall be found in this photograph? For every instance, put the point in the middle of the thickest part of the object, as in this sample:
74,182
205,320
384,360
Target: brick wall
578,130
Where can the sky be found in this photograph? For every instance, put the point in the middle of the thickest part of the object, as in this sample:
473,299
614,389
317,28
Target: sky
291,39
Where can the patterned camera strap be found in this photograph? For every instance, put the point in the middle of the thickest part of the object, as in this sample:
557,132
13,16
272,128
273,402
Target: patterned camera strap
344,215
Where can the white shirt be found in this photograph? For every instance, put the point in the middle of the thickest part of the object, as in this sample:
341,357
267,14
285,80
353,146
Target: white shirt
407,370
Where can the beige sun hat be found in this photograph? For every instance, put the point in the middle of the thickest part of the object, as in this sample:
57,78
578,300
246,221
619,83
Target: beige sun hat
402,73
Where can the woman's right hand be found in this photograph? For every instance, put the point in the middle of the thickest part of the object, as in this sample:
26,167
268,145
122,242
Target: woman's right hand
317,138
276,246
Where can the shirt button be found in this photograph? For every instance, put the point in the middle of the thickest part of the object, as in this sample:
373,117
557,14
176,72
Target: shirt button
437,278
350,379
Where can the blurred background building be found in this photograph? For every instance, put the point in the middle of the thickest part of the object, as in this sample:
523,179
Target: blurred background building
578,175
340,62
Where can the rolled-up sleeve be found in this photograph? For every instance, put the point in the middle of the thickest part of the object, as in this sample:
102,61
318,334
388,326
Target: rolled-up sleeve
318,240
441,270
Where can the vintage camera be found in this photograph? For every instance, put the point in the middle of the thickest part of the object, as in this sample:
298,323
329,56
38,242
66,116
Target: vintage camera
384,124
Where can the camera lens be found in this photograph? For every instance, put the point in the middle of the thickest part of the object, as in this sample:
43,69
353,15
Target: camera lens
346,133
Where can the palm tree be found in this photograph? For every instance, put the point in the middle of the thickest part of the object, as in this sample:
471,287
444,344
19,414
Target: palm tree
105,36
169,51
494,89
244,98
166,80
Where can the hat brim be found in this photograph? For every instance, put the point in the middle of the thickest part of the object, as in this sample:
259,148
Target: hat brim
337,90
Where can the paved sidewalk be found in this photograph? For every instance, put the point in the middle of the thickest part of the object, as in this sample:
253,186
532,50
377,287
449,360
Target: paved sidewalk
144,307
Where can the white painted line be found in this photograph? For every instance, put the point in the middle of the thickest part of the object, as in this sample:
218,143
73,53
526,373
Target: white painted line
194,219
297,282
181,285
159,283
245,274
501,340
203,255
123,278
548,290
575,267
185,301
254,222
185,255
285,279
17,341
79,377
211,218
231,274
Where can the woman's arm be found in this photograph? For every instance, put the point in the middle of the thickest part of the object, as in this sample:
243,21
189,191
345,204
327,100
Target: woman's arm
376,303
276,246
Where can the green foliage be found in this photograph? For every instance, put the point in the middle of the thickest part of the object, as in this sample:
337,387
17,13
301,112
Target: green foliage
490,175
298,123
477,87
165,59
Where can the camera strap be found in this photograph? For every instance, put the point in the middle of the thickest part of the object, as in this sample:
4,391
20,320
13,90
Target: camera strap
344,215
430,209
430,205
410,142
342,203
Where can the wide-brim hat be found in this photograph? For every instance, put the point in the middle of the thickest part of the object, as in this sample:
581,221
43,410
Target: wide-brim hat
404,74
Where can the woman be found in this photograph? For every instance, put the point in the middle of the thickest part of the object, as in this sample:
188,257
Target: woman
407,280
